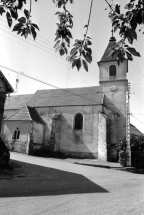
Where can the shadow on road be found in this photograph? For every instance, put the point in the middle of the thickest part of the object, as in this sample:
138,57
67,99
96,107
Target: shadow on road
36,180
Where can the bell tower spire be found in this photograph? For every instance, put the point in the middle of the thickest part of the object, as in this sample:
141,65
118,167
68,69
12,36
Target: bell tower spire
114,84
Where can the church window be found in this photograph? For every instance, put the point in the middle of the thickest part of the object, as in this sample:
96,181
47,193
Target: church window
112,70
16,133
78,121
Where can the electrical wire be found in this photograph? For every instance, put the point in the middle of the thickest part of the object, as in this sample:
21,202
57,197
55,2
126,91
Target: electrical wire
137,119
93,68
33,78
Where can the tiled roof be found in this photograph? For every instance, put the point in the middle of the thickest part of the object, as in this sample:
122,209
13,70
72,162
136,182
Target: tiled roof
25,113
105,56
9,88
67,97
21,114
17,101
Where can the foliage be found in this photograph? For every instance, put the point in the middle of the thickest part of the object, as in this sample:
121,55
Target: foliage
24,25
127,24
137,151
121,147
81,53
79,56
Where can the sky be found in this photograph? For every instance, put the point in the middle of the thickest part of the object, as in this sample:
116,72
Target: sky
39,60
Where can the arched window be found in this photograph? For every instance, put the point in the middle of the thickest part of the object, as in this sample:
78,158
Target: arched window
112,70
78,121
16,133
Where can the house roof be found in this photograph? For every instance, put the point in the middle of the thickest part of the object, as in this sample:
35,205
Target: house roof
67,97
134,130
9,88
17,101
25,114
105,57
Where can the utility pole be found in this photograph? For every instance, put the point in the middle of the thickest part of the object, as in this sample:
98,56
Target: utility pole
128,147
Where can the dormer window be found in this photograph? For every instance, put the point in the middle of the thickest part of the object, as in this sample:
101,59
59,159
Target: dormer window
112,70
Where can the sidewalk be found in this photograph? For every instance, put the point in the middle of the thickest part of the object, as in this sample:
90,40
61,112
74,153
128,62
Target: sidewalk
87,162
95,163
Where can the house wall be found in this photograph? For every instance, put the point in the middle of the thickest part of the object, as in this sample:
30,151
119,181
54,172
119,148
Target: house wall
70,142
20,145
38,132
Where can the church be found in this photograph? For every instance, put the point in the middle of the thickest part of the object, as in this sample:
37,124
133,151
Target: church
82,122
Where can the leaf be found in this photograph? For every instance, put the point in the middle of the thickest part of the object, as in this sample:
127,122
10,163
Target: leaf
88,57
85,65
74,51
133,51
17,27
9,19
74,63
139,17
35,26
57,13
57,43
89,42
1,10
115,22
117,9
78,63
33,32
88,50
78,41
20,4
65,48
62,52
129,56
129,6
22,20
116,27
27,14
14,13
57,37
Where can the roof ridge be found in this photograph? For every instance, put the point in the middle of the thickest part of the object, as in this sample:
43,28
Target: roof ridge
68,88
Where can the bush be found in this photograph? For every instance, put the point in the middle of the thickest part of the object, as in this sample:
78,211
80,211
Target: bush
137,151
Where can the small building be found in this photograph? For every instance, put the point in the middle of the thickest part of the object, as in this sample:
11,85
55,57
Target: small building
23,128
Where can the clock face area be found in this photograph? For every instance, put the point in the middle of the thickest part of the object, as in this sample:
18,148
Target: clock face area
113,88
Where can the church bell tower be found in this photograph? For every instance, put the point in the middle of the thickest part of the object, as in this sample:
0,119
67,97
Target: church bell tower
114,85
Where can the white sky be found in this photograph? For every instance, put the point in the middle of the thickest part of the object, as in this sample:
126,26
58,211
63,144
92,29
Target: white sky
38,58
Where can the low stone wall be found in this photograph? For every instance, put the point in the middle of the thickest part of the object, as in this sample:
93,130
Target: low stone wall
18,147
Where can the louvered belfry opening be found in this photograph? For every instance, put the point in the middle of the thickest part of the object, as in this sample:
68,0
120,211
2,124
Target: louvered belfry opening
112,70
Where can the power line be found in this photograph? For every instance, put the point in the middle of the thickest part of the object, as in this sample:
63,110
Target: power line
91,73
136,118
93,68
33,78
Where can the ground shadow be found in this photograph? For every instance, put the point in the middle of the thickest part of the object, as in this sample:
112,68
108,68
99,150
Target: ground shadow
36,180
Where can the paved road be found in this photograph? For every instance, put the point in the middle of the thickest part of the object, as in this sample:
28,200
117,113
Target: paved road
54,187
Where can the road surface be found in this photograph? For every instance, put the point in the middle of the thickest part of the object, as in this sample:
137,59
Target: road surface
55,187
